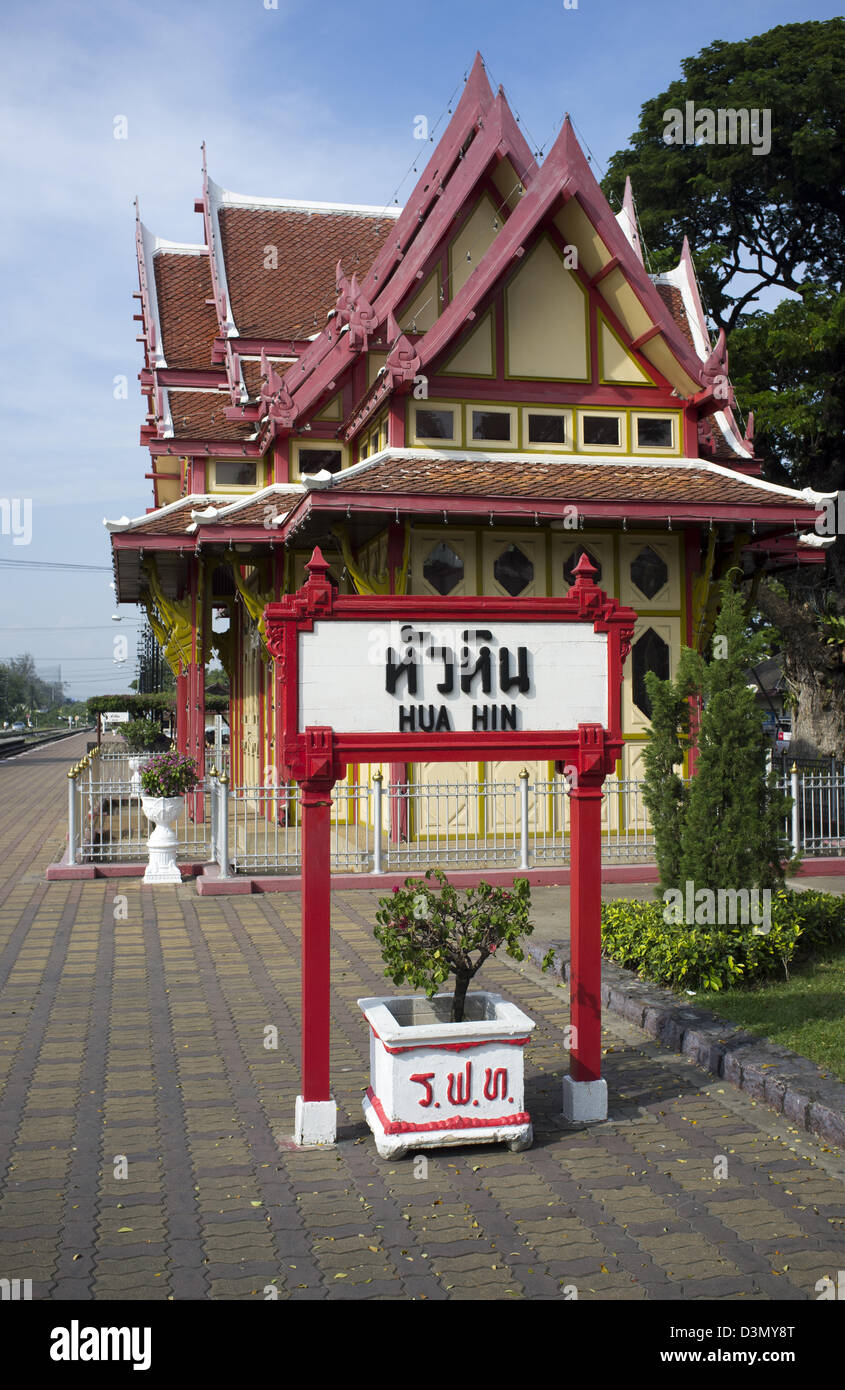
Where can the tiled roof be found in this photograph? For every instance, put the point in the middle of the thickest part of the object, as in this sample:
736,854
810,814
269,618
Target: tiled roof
293,299
258,511
723,452
187,517
252,374
188,324
566,481
170,521
674,301
201,415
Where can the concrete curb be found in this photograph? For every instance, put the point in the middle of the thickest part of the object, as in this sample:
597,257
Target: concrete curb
792,1085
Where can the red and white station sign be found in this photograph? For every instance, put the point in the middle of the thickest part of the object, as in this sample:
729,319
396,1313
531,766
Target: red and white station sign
441,679
416,679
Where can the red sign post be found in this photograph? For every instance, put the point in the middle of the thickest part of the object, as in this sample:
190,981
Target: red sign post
418,679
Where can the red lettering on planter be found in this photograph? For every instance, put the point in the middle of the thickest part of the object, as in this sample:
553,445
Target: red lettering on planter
463,1087
424,1079
495,1083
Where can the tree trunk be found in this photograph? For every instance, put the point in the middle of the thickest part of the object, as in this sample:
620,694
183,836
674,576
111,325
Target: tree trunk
819,719
814,672
462,979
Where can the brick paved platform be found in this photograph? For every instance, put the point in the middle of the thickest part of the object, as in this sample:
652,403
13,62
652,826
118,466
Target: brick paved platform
133,1031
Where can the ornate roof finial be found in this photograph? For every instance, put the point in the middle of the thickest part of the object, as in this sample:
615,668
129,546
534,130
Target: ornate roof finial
343,306
627,219
362,318
403,360
275,396
714,372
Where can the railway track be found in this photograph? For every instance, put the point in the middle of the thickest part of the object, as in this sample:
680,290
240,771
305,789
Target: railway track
9,747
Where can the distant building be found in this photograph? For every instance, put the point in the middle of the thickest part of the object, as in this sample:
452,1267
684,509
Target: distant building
458,397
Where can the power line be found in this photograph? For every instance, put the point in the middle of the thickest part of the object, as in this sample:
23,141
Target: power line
65,627
54,565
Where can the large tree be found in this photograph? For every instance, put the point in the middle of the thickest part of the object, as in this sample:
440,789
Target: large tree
754,220
763,227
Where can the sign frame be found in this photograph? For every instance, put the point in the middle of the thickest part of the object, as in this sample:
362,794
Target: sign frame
317,757
320,751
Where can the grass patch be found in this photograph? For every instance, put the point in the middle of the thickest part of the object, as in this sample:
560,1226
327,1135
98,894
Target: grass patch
805,1013
787,984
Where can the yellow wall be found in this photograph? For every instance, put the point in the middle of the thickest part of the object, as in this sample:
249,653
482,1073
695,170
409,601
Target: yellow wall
546,317
476,236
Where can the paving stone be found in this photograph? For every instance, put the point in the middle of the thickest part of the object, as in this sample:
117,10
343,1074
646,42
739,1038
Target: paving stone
91,1056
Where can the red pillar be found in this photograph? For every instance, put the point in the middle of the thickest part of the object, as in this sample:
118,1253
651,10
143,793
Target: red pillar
316,939
182,710
585,931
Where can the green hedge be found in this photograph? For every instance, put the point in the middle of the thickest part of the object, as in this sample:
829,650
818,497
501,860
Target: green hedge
635,935
156,700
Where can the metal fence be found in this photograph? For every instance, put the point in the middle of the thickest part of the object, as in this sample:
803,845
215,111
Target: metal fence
406,826
106,823
818,811
382,827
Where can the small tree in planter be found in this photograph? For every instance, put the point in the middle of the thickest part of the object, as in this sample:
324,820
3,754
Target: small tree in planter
165,779
450,1070
426,935
140,735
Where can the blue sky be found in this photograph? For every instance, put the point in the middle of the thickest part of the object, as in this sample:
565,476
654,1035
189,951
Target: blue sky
307,100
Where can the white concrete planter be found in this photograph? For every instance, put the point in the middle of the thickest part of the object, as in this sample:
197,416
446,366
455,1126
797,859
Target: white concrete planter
435,1084
165,811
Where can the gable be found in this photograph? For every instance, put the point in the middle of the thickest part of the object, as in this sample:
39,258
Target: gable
617,366
476,355
546,319
472,242
423,309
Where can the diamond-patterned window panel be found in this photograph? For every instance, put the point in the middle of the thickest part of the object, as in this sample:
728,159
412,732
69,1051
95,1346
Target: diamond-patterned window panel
649,653
569,567
443,569
649,572
513,570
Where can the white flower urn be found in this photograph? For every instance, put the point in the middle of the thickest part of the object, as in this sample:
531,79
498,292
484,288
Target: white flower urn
437,1084
135,765
164,811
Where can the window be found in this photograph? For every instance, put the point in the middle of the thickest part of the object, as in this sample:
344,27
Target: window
316,460
435,424
546,429
650,653
649,572
236,473
601,430
443,569
494,425
513,570
655,432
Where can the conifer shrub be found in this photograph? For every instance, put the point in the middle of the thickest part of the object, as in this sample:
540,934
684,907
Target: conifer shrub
724,832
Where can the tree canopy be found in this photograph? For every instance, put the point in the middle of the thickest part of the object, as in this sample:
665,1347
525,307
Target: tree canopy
767,223
22,690
753,219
